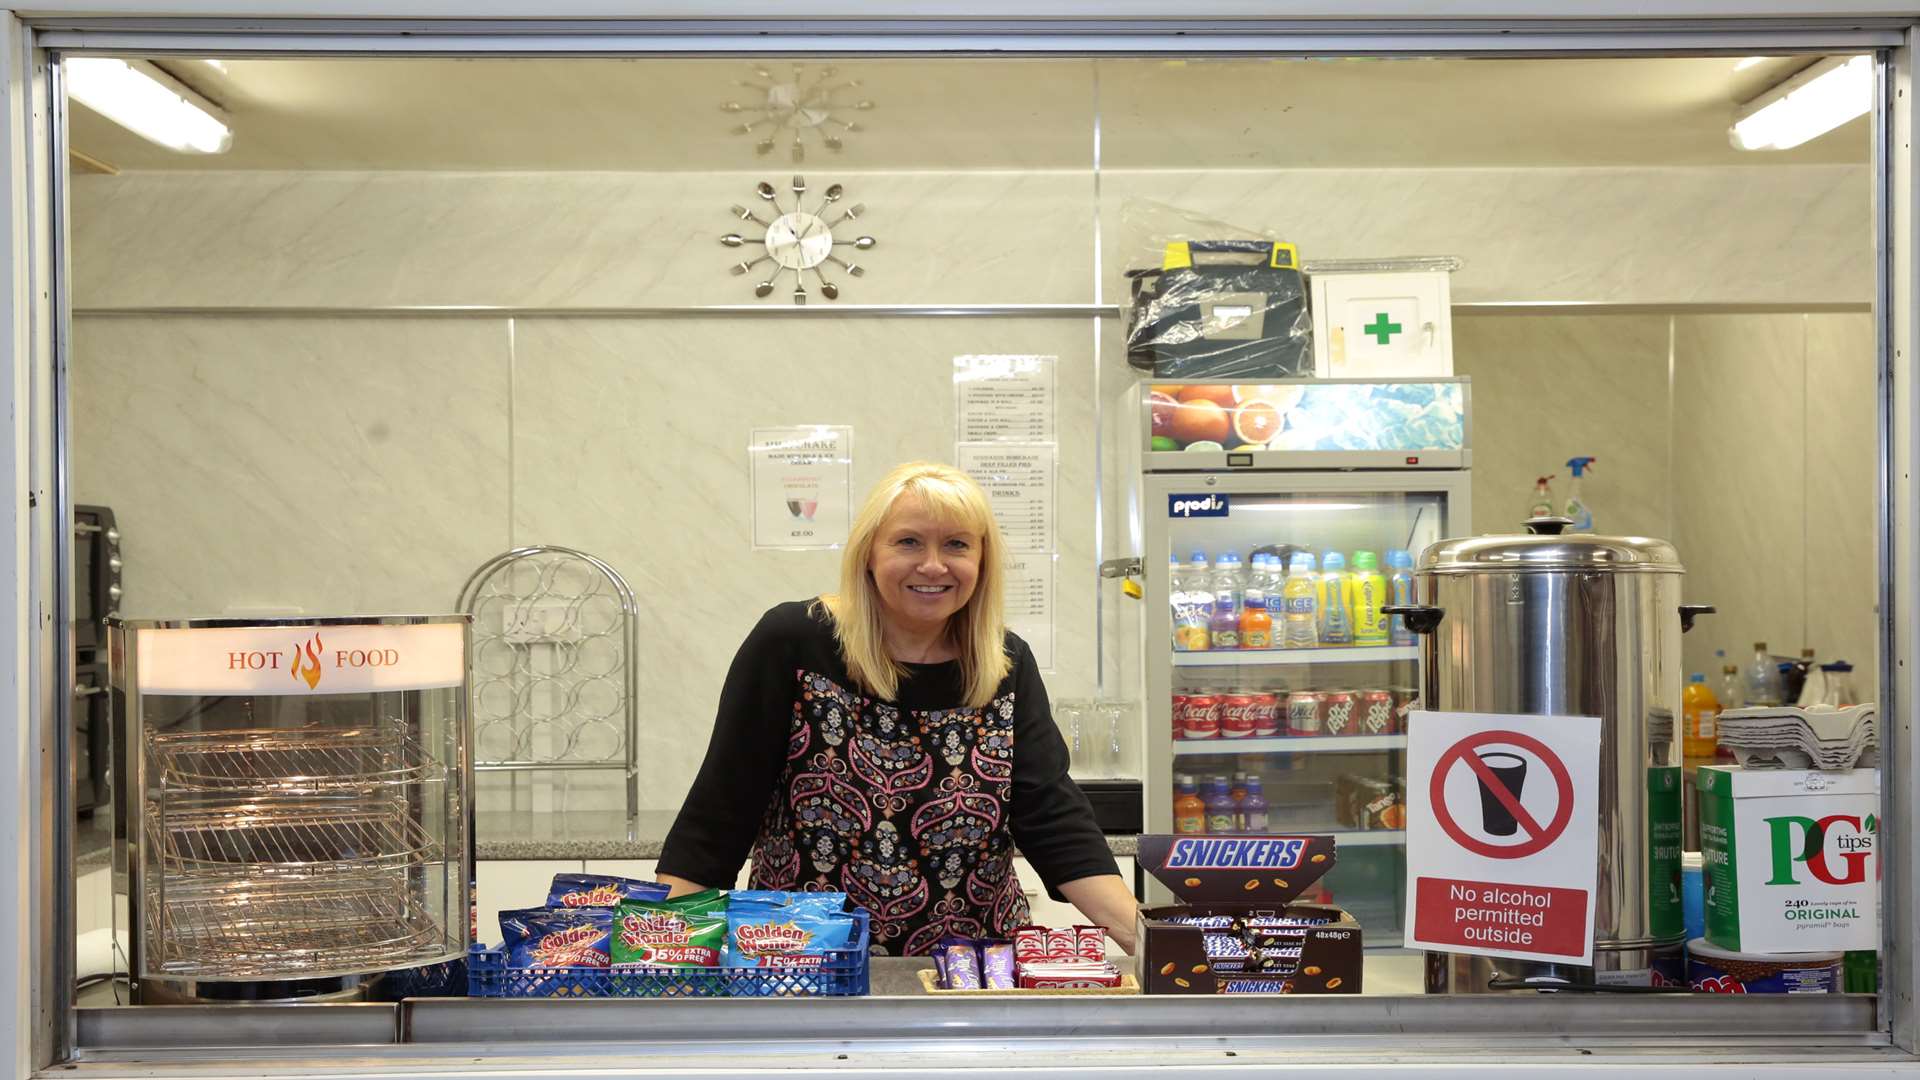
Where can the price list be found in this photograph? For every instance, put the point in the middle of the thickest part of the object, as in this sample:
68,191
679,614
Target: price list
1029,596
1004,398
1018,480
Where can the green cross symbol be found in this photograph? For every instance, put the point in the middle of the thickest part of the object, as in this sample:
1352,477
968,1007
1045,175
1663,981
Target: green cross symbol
1381,328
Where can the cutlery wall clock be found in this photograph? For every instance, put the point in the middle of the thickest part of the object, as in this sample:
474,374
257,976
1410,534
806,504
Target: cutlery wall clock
799,240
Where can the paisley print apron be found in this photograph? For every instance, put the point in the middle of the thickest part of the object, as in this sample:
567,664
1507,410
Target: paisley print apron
903,810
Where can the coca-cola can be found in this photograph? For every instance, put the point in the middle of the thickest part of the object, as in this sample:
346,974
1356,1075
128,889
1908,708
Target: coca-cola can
1202,718
1405,700
1306,712
1236,716
1341,715
1266,716
1179,715
1376,713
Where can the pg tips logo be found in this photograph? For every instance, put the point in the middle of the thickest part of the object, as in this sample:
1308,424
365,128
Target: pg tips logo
305,665
1834,849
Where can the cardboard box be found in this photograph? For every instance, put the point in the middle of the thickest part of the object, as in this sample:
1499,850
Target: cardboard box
1243,877
1791,858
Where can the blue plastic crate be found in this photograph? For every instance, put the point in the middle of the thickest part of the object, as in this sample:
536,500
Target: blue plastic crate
841,973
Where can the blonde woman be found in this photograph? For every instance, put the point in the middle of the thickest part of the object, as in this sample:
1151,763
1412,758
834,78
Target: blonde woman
892,741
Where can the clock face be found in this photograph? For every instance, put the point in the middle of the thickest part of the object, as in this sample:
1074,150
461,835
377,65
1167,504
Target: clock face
799,241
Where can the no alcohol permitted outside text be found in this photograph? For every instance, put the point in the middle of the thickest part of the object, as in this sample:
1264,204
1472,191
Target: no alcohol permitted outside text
1502,834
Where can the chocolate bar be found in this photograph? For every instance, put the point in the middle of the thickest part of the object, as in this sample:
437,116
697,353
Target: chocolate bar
996,965
963,966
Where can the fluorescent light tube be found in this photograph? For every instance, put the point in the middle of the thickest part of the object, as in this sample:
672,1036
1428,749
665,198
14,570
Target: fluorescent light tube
1810,104
141,98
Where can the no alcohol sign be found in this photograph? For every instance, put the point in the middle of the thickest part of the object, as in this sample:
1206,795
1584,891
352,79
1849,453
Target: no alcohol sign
1502,834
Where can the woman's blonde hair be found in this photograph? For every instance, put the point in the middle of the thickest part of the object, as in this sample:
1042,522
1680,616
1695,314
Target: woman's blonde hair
977,631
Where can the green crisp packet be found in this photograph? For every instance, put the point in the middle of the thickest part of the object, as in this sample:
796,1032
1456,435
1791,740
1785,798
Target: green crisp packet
686,932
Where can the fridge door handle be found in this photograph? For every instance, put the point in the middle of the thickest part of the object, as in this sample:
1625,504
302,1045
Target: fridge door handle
1420,618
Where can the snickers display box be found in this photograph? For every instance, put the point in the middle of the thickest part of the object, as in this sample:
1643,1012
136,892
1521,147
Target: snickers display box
1237,931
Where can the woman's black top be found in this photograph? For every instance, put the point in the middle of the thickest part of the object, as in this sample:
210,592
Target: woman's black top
912,807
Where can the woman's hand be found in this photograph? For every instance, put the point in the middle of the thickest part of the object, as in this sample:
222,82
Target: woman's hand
680,886
1106,900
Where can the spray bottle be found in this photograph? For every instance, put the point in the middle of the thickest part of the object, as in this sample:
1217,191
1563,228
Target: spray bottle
1542,504
1576,506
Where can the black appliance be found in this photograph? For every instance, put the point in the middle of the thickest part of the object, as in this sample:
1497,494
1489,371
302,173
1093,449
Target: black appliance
96,595
1222,309
92,715
96,575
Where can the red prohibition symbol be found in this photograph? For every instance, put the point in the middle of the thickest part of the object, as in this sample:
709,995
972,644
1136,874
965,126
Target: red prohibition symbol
1538,837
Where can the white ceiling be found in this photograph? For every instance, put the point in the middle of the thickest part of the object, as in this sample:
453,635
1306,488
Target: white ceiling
964,113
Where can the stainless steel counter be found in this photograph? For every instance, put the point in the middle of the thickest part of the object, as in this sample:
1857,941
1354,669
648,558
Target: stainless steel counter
1697,1028
506,836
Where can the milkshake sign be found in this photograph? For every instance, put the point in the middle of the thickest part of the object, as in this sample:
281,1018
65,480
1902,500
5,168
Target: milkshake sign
300,660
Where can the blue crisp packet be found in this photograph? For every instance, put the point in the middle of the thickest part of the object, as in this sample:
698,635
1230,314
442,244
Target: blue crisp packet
600,890
811,901
558,937
789,936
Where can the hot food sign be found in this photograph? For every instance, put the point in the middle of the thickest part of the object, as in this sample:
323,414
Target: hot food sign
300,660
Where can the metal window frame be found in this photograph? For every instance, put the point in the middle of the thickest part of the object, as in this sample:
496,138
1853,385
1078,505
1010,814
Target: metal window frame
38,184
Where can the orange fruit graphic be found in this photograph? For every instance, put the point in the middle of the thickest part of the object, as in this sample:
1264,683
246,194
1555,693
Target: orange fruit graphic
1257,421
1218,393
1200,421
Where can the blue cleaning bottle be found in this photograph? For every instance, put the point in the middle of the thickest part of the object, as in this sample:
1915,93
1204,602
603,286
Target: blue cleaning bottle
1577,510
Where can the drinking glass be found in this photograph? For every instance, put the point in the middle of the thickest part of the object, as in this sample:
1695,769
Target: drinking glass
1072,718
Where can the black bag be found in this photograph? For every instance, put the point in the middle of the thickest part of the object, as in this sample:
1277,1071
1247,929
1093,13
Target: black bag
1243,318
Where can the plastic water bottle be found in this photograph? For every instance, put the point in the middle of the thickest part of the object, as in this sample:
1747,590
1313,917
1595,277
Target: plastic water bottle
1189,810
1253,808
1763,678
1369,596
1400,588
1256,626
1229,589
1193,606
1733,689
1230,577
1699,732
1300,596
1336,601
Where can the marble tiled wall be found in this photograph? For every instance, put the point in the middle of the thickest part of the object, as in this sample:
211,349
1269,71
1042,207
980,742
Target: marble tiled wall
535,240
1550,388
1775,450
324,464
1622,235
367,464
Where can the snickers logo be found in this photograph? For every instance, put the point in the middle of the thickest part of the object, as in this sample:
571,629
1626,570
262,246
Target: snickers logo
1195,853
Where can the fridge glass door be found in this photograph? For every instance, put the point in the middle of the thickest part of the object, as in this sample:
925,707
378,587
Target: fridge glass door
1294,723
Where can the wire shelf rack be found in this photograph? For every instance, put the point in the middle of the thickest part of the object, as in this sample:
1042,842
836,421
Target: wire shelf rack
279,840
295,760
253,929
555,666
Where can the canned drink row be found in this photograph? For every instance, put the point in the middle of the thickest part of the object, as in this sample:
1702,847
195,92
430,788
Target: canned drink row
1261,714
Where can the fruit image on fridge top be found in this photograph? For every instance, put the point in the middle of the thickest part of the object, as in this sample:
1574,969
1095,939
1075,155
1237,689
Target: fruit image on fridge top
1278,521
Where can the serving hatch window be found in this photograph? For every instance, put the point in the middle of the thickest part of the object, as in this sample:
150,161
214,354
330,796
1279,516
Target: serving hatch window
355,332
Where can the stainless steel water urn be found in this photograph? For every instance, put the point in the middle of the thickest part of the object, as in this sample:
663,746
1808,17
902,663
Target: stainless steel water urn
1548,623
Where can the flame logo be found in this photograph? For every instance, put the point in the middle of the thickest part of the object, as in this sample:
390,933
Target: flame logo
306,664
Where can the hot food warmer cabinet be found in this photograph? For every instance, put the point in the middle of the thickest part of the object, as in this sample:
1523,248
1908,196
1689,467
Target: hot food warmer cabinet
298,824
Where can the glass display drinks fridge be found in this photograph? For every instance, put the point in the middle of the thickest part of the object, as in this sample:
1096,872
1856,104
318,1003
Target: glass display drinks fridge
1276,522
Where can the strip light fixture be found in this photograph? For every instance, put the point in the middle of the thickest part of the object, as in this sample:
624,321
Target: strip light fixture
148,102
1812,103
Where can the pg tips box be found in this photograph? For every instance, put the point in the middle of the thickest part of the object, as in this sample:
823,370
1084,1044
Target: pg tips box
1791,858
